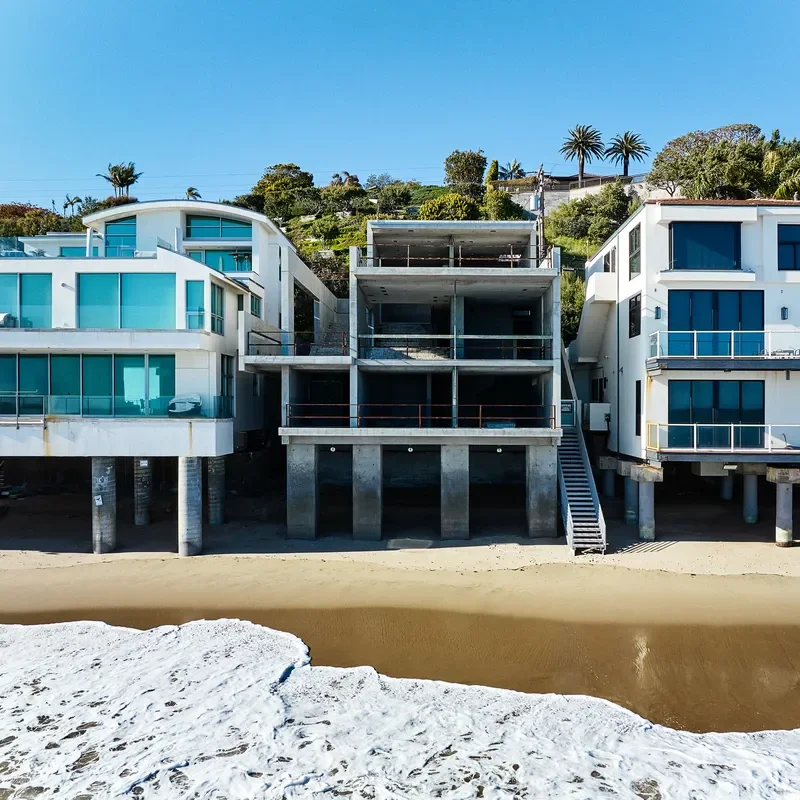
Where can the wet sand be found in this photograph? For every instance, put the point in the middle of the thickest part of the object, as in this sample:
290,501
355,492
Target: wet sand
702,653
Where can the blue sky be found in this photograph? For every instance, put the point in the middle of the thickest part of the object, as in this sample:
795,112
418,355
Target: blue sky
208,93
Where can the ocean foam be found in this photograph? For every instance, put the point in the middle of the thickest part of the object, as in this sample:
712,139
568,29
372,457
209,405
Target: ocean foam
230,709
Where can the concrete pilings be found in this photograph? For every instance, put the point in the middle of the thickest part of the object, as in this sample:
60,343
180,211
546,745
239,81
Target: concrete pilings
104,505
302,491
541,478
750,498
631,492
142,490
455,492
726,488
647,477
367,492
215,466
608,470
190,505
784,479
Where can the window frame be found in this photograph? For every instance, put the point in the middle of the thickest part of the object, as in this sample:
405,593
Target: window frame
255,306
635,315
795,245
218,315
737,244
610,260
635,253
221,224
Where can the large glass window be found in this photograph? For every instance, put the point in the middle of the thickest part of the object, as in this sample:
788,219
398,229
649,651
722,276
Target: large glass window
217,309
36,301
98,300
148,300
224,260
635,250
634,316
65,384
8,384
201,227
711,406
160,383
705,245
195,305
121,238
75,252
788,247
610,260
714,314
129,386
9,296
33,383
98,385
255,305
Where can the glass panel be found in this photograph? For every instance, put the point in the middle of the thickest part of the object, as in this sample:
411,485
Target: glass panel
129,394
786,256
75,252
65,384
161,383
8,384
728,404
752,413
195,255
97,385
229,260
255,306
98,300
36,301
195,305
679,319
680,394
217,309
121,237
702,409
702,319
634,245
233,229
706,245
752,319
9,297
33,384
788,233
198,227
148,300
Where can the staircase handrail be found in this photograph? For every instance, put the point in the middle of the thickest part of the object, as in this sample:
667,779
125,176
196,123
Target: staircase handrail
566,512
592,487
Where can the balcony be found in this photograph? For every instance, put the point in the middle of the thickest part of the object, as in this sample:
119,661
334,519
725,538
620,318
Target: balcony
439,347
437,256
748,350
418,415
298,343
688,438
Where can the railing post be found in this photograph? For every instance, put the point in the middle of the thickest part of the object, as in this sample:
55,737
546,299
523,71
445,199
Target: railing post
480,416
732,447
694,436
419,415
769,343
408,255
694,349
732,344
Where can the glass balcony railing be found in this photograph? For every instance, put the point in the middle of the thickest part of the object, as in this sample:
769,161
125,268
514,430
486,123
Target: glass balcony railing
725,344
187,406
728,438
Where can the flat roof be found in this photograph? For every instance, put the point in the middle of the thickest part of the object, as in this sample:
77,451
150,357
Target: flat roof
683,201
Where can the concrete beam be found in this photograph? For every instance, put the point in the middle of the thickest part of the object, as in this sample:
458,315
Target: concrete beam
541,490
190,505
624,468
302,492
455,492
751,469
783,475
142,490
367,492
104,505
643,473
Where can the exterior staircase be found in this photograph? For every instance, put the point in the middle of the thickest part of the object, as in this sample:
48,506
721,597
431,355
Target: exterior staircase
580,506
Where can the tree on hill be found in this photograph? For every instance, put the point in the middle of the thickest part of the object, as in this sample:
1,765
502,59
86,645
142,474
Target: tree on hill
193,194
121,176
512,171
626,147
280,188
591,219
583,143
492,173
394,196
463,172
573,292
498,205
453,205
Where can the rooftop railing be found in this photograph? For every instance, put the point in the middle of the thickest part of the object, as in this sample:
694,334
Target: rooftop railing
722,438
418,415
725,344
458,256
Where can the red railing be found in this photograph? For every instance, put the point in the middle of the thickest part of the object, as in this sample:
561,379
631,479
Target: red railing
298,343
388,346
419,415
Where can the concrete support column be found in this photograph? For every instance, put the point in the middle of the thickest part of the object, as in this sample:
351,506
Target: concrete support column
631,501
608,468
647,477
216,489
367,492
302,493
726,489
541,489
104,505
142,490
455,492
784,479
190,505
783,514
750,503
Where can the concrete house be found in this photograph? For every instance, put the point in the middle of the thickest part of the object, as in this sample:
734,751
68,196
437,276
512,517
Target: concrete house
443,365
123,342
689,349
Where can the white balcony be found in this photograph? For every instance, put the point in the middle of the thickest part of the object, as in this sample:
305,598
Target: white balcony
776,344
723,438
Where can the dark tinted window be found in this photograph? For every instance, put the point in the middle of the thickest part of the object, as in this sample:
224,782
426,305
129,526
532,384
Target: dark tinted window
638,423
788,246
635,250
705,245
635,316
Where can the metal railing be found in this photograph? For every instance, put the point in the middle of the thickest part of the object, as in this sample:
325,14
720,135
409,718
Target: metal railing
298,343
380,346
726,438
725,344
418,415
30,404
457,256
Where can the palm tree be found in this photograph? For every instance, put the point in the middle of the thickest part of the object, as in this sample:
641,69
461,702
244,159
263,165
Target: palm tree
628,146
512,171
70,203
344,178
583,143
121,176
193,194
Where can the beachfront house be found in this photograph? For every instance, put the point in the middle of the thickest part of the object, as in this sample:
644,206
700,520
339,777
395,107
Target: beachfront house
689,349
123,342
440,376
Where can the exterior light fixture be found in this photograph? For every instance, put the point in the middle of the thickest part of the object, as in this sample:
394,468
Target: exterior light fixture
658,312
499,449
333,449
410,449
784,312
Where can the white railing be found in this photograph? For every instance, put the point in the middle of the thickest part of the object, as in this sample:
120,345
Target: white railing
730,438
725,344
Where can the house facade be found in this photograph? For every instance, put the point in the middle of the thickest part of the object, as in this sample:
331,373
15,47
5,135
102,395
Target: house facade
689,347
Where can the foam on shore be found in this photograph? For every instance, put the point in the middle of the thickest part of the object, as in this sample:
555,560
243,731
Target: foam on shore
228,708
